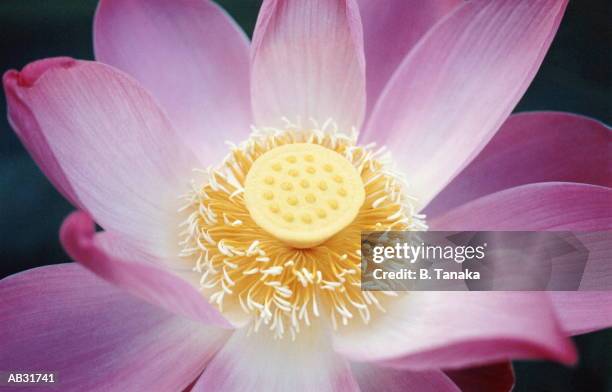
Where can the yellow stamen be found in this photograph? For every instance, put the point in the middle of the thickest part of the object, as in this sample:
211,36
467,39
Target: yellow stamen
247,265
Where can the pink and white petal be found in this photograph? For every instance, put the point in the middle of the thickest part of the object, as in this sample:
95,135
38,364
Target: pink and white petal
62,318
449,330
498,377
372,378
191,56
533,147
26,127
581,208
584,311
554,206
307,63
540,206
390,30
116,148
262,363
458,85
115,260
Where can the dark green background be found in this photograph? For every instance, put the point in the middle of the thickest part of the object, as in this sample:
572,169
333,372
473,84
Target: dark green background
575,77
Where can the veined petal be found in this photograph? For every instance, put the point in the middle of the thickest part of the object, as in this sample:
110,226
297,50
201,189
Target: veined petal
262,363
62,318
432,330
455,89
115,260
372,378
533,147
584,311
391,28
540,206
26,126
191,56
108,143
308,63
554,206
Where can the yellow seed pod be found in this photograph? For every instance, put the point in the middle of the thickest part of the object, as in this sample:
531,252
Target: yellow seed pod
275,193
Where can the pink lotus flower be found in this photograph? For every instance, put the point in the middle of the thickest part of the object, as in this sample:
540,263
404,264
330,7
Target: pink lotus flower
202,296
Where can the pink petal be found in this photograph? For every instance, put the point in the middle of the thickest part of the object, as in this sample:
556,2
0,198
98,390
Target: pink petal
431,330
372,378
62,318
455,89
553,206
582,312
104,136
191,56
498,377
391,29
27,128
113,259
261,363
533,147
307,63
541,206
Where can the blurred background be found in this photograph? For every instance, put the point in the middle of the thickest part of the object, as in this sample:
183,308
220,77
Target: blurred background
575,77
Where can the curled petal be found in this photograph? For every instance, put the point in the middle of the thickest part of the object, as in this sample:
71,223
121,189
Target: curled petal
111,258
107,145
26,126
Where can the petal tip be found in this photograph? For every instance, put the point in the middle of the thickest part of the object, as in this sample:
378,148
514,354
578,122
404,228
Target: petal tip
10,82
9,77
149,282
28,76
569,354
76,229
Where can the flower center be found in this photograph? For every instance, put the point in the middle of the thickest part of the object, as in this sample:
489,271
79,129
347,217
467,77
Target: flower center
275,231
303,193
